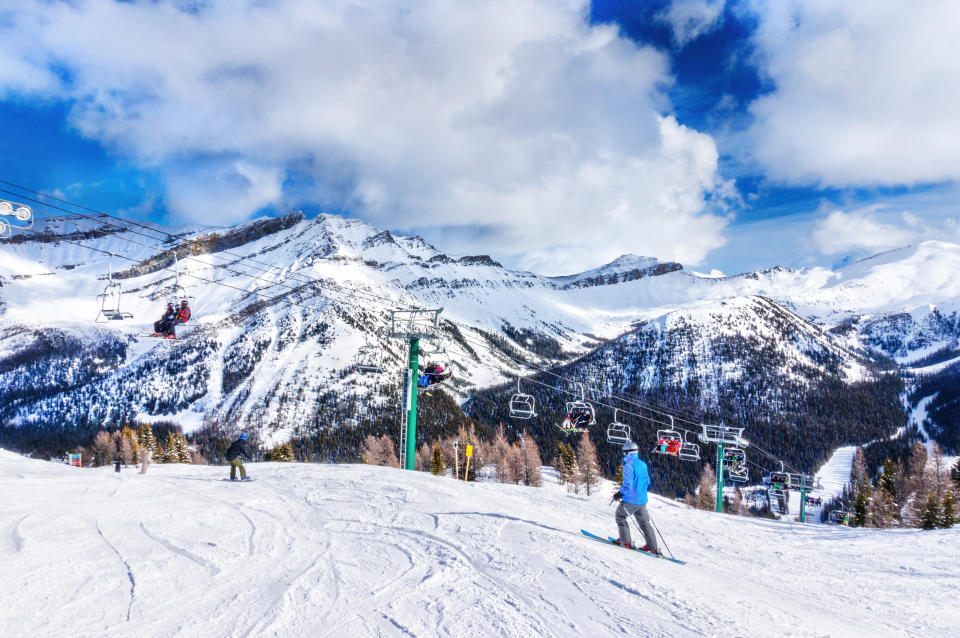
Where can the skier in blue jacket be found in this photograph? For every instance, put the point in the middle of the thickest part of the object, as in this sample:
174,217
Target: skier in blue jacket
633,500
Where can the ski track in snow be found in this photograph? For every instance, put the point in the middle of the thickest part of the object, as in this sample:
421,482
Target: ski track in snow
133,583
352,550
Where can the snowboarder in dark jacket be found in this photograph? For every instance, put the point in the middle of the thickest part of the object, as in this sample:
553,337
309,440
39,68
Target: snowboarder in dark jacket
165,325
633,500
237,448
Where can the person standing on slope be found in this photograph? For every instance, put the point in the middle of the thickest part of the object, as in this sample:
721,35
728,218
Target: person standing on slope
237,448
633,500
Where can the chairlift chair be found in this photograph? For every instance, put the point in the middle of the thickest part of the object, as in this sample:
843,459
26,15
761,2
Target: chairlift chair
721,434
369,358
522,406
669,442
580,414
583,408
779,482
839,517
437,370
689,451
618,433
109,300
735,462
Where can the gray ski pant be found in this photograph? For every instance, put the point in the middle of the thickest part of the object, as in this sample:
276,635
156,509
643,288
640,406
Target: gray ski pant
643,519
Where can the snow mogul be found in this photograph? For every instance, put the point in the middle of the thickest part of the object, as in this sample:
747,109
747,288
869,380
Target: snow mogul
633,500
237,448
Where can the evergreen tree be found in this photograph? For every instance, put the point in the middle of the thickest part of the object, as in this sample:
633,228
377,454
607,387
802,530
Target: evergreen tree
861,505
146,440
437,465
281,453
948,512
183,451
170,454
955,472
560,464
887,480
565,464
931,512
589,466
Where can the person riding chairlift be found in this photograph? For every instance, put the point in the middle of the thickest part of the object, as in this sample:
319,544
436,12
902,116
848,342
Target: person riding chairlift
577,420
669,445
432,374
167,326
164,326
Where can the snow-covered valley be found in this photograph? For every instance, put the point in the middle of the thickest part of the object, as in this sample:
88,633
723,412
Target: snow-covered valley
355,550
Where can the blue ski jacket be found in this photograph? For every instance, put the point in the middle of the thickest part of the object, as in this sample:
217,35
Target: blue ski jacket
636,480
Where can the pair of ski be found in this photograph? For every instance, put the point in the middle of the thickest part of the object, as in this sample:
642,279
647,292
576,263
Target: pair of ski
611,541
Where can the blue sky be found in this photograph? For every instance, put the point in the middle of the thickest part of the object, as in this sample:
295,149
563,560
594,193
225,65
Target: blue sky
724,134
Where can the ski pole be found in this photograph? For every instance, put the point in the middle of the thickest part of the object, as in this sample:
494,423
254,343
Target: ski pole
660,535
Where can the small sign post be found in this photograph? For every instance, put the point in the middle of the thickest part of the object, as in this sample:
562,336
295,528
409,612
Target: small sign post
74,459
456,460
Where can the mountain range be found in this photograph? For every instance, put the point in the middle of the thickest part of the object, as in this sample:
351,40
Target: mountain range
281,306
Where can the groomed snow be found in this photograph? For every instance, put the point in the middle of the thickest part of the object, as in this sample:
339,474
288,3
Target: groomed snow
353,550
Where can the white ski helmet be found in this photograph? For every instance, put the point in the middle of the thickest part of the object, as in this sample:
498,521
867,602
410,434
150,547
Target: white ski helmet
630,447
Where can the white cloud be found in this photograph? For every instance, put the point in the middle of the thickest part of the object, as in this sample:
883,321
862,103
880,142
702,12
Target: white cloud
865,92
690,19
515,116
858,230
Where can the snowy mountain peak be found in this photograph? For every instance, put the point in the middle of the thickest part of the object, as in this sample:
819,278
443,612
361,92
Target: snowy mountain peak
623,268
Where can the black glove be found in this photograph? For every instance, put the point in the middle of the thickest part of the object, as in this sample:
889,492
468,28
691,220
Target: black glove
618,496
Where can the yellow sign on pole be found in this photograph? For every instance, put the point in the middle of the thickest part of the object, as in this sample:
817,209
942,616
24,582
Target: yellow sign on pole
466,470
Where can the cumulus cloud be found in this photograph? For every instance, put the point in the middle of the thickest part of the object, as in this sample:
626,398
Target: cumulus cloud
865,92
516,117
689,19
858,230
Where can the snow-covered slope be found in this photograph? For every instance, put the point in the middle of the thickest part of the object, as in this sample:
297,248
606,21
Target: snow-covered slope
354,550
